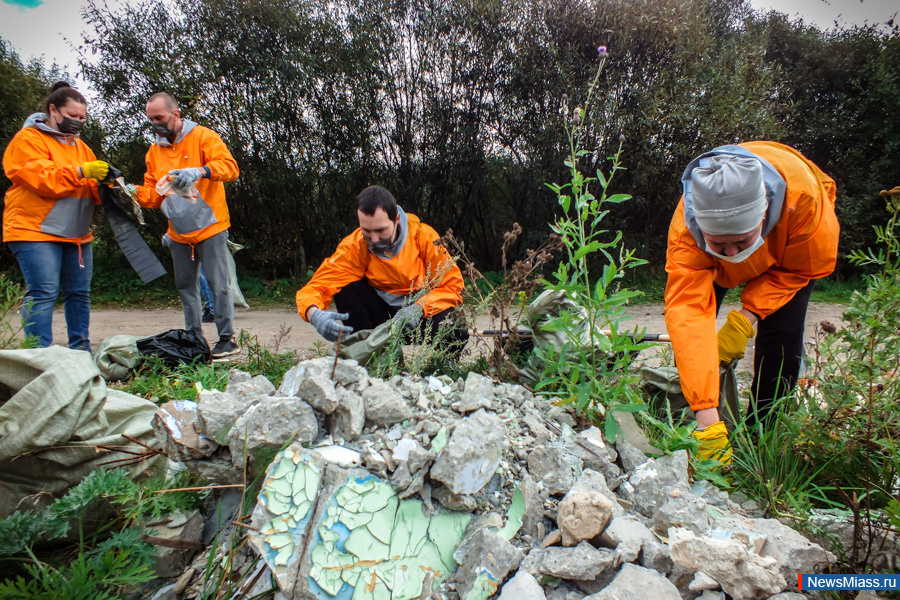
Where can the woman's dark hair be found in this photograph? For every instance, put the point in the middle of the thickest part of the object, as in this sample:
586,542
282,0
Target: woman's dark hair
374,197
60,94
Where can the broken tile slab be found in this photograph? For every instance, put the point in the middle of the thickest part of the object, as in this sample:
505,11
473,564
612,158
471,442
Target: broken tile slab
217,412
370,545
472,454
283,512
554,468
384,405
349,417
177,428
485,559
478,393
794,552
268,425
534,506
742,574
523,586
583,515
637,582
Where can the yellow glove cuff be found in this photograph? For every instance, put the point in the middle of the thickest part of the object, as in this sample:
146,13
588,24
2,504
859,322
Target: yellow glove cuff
714,431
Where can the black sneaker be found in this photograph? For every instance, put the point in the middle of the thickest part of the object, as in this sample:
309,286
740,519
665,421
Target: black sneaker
208,316
225,347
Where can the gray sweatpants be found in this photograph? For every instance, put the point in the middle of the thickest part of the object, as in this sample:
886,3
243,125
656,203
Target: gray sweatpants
212,254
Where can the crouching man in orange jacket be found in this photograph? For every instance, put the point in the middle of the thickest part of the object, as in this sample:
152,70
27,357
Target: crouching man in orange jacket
189,156
759,214
389,268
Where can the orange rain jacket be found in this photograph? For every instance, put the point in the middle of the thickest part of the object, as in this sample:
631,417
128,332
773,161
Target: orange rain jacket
800,244
48,201
195,146
418,264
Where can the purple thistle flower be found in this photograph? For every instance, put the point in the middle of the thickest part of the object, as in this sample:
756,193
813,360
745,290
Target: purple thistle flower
601,51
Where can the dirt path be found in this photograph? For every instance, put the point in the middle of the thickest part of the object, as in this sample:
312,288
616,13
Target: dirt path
268,325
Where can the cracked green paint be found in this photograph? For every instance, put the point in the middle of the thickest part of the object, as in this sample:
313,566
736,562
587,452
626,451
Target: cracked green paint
288,496
371,545
484,586
514,515
440,440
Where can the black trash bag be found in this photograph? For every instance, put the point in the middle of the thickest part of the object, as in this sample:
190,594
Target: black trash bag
176,346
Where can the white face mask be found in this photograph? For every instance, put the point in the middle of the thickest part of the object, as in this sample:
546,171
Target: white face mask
740,256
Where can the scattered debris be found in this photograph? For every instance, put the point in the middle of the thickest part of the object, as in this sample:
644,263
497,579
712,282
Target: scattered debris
435,489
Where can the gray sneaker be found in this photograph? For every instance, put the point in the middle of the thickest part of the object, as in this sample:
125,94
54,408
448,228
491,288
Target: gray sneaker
225,347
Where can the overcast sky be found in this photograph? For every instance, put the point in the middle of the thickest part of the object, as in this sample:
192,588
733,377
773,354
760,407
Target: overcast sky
47,28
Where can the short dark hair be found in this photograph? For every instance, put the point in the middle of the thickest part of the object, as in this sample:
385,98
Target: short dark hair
60,94
168,100
374,197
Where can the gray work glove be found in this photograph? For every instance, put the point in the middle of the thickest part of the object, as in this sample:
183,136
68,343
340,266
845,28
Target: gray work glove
182,179
408,317
329,324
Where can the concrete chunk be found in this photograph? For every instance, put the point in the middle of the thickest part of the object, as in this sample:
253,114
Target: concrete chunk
485,559
554,468
269,424
741,573
177,427
217,411
478,393
523,586
384,405
472,455
349,417
637,582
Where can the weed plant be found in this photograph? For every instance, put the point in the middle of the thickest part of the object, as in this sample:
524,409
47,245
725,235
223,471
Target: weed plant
591,370
12,297
503,297
107,509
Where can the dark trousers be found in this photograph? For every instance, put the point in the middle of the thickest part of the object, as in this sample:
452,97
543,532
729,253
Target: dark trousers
368,310
778,352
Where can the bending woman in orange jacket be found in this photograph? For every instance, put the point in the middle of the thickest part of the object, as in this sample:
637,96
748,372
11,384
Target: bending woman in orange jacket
759,214
47,217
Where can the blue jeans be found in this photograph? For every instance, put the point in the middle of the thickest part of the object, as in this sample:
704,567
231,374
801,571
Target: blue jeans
206,293
49,267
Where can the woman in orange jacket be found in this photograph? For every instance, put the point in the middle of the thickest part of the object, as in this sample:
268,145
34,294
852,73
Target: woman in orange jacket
47,217
759,214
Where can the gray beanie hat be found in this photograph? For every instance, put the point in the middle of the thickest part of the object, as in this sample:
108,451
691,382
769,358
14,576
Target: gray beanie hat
729,196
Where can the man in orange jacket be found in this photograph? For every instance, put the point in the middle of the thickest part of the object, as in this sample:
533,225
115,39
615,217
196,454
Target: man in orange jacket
759,214
193,163
389,268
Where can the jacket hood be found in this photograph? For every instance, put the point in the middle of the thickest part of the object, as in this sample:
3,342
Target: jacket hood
772,179
38,121
187,127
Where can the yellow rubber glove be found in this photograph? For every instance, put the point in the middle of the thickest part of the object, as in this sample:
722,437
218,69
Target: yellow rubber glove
733,337
97,170
714,443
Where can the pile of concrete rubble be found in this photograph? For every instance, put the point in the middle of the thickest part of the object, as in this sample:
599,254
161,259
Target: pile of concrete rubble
437,489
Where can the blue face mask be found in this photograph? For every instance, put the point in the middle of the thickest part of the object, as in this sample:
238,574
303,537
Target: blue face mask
740,256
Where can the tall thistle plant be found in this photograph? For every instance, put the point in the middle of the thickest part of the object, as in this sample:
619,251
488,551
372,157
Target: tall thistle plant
590,370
